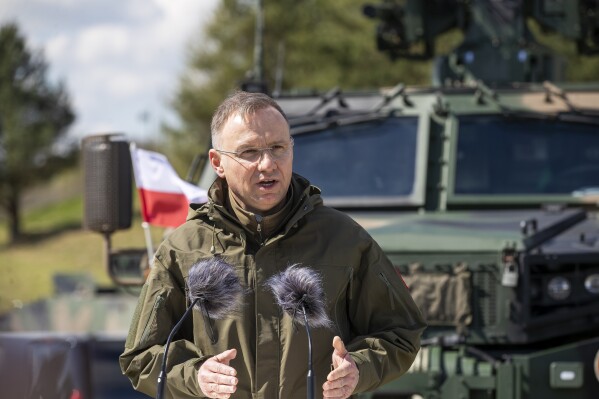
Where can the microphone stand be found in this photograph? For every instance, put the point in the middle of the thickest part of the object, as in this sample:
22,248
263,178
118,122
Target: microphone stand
310,375
162,375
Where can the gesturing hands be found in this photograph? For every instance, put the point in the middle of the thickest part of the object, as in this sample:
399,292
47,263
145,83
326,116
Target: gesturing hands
217,379
342,381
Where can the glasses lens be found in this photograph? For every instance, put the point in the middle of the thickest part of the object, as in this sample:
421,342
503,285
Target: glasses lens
255,154
250,155
279,151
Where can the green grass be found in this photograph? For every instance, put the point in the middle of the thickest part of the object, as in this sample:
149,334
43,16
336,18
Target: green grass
56,244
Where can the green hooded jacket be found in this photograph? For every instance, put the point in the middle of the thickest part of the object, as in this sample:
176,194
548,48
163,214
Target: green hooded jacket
368,302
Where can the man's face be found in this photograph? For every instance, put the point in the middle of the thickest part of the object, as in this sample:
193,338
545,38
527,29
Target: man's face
258,185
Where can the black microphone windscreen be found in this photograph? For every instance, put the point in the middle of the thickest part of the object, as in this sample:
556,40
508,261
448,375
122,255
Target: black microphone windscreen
215,283
298,287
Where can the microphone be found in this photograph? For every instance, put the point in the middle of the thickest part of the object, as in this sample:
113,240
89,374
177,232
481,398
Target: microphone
214,289
298,291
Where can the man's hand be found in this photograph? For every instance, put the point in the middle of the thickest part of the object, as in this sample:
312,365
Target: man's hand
342,381
217,379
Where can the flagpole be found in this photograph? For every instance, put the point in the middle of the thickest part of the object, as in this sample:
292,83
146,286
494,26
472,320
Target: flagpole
144,225
149,246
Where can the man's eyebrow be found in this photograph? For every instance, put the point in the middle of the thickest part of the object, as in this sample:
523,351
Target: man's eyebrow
246,146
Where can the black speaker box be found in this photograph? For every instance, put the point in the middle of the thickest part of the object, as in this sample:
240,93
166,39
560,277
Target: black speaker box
108,183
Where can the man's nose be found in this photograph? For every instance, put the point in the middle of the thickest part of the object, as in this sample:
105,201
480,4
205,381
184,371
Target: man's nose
266,160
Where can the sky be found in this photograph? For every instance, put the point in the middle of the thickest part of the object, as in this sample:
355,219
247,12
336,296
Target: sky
119,59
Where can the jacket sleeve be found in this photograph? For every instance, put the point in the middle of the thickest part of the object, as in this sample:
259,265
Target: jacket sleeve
161,304
386,321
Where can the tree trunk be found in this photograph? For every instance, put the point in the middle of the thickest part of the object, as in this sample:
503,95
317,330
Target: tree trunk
13,210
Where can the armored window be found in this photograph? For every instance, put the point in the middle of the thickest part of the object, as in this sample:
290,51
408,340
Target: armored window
369,160
501,156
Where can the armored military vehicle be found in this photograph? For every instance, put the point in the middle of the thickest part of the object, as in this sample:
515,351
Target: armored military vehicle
482,190
486,202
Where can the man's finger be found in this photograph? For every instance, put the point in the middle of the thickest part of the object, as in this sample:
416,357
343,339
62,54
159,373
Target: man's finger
220,379
342,392
219,368
334,384
339,347
226,356
340,372
219,391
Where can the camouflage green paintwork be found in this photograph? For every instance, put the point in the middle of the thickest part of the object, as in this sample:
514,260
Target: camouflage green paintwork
487,337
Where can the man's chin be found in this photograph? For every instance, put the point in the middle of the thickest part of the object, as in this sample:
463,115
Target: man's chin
269,202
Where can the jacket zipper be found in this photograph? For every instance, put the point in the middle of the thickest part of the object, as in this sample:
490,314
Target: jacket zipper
157,304
349,294
259,228
391,292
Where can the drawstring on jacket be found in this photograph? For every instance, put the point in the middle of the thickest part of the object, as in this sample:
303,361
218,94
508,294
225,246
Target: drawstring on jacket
210,211
212,249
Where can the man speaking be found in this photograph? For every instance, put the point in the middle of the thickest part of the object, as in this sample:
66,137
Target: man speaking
261,218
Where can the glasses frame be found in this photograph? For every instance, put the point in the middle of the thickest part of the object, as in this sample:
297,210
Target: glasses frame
235,154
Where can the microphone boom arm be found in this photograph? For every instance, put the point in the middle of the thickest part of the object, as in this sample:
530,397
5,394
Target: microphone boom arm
310,375
162,375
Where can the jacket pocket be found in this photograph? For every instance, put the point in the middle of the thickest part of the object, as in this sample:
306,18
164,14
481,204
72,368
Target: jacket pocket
151,320
392,294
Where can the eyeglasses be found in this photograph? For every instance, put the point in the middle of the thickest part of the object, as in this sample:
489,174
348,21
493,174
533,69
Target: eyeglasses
253,155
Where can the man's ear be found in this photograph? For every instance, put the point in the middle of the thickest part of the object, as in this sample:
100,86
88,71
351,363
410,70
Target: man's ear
215,161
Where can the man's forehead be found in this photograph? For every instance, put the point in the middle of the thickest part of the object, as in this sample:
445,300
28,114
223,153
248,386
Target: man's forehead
259,124
238,118
250,138
262,115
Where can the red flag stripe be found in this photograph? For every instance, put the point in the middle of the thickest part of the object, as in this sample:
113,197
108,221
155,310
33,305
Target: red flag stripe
164,196
163,208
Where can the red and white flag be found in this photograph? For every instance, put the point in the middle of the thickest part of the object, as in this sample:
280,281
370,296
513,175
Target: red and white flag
164,196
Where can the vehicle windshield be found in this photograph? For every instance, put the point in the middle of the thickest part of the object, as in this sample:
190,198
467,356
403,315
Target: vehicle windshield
369,159
497,155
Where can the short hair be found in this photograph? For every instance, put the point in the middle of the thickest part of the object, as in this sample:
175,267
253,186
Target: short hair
240,103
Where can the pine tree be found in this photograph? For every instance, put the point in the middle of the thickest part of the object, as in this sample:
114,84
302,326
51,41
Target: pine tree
33,115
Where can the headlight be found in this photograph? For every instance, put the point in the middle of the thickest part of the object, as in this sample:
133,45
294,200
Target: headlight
559,288
591,283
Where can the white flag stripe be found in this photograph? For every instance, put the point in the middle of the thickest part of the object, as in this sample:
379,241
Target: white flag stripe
154,172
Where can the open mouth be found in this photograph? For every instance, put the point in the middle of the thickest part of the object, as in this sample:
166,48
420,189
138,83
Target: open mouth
267,183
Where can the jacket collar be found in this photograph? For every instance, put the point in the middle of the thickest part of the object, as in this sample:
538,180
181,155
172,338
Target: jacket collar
263,225
305,198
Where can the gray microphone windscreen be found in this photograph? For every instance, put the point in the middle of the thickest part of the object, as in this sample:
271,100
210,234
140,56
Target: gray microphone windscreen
298,288
215,282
